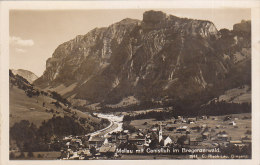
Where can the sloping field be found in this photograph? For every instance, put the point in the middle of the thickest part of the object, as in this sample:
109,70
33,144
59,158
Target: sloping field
23,107
243,124
62,89
130,100
237,95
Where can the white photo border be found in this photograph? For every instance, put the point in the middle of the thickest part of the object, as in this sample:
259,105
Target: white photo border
69,5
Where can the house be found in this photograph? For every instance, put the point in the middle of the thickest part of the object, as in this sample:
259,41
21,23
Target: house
217,126
214,118
232,123
68,144
225,144
105,141
122,138
68,137
247,137
235,142
96,141
74,156
126,131
76,141
186,141
180,118
138,140
222,137
191,120
170,127
204,117
108,150
167,141
182,129
112,138
194,141
64,155
206,135
227,118
238,143
84,153
247,141
154,129
70,152
119,137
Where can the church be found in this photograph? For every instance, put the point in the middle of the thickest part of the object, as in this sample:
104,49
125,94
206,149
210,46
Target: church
163,140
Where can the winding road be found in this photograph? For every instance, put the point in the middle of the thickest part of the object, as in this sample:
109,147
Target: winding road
116,123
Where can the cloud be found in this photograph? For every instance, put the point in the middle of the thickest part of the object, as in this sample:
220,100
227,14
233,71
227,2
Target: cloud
17,41
19,50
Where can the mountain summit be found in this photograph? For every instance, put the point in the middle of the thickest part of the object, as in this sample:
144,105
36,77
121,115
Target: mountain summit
28,75
162,57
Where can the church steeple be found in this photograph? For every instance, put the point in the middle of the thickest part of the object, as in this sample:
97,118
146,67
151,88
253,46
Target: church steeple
160,133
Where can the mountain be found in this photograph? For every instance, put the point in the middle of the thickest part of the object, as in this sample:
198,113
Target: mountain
28,102
36,117
162,58
28,75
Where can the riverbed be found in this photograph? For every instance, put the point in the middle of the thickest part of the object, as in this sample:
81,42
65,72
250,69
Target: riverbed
116,124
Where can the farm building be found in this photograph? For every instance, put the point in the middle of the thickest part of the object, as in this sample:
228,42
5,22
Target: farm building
96,141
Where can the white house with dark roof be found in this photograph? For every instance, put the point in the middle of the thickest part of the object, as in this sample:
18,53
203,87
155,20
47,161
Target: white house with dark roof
167,141
96,141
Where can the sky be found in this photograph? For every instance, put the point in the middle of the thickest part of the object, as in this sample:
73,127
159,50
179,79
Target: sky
35,34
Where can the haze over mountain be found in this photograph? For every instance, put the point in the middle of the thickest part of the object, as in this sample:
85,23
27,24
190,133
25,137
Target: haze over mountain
28,75
161,58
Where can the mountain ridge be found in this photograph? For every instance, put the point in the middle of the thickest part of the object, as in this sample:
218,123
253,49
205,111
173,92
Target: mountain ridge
28,75
162,57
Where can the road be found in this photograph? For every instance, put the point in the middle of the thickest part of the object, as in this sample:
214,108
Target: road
116,123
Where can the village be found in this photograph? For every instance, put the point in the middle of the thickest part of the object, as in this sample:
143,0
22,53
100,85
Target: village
181,137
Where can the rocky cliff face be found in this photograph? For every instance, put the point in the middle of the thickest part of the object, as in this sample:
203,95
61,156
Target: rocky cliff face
162,57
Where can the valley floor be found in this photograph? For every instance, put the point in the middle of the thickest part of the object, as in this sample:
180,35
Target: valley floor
222,134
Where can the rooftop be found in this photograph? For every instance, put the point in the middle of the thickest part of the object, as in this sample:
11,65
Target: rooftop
107,148
96,138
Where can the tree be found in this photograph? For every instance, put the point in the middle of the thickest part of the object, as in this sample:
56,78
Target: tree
22,155
24,134
248,132
82,120
52,111
127,126
122,145
181,140
12,155
161,142
131,146
93,151
39,156
30,154
154,143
